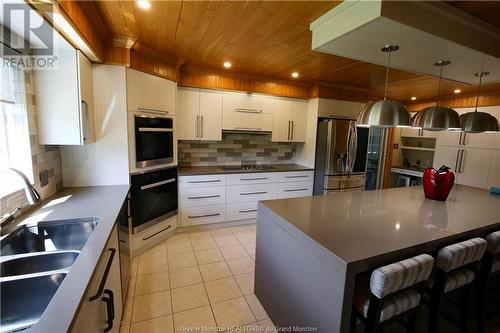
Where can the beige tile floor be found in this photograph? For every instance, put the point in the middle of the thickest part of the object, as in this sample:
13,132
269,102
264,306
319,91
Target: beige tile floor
196,282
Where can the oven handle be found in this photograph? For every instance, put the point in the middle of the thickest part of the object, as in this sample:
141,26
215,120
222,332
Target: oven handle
155,129
153,111
163,182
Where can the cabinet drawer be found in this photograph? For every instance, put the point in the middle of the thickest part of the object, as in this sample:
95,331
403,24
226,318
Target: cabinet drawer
247,121
202,215
152,235
202,196
202,181
296,176
252,178
295,189
254,192
232,101
241,211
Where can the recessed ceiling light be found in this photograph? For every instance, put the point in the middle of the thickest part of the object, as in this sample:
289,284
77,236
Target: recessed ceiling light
295,74
227,64
144,4
457,91
413,98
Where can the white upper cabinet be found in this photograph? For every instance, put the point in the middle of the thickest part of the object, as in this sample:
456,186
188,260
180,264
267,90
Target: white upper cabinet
150,93
289,120
64,98
200,114
247,112
335,108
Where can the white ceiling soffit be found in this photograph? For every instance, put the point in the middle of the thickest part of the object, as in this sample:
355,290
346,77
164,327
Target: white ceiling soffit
425,32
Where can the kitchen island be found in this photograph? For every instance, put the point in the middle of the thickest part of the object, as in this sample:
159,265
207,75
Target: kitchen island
310,249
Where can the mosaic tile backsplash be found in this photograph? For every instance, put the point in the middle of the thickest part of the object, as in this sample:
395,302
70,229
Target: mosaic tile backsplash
236,149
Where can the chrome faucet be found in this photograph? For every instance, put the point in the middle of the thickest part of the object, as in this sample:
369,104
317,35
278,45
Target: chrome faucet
31,194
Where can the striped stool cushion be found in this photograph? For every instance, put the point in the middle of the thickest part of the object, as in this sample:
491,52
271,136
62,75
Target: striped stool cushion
496,264
460,254
493,240
458,278
391,278
391,305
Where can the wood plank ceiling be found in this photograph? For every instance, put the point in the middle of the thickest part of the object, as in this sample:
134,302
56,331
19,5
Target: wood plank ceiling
266,38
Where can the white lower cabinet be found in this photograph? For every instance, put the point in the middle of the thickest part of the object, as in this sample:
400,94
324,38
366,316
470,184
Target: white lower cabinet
219,198
101,306
203,215
295,189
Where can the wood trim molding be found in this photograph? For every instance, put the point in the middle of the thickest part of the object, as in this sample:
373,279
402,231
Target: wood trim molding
152,65
488,98
341,93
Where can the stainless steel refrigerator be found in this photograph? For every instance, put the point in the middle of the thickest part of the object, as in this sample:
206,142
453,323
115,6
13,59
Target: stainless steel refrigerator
341,154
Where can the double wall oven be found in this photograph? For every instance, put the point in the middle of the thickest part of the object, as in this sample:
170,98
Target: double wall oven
154,173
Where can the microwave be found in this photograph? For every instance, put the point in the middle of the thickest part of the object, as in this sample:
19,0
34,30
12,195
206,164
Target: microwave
153,138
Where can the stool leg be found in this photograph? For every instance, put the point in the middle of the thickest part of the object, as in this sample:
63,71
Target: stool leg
411,323
480,307
354,318
464,308
437,294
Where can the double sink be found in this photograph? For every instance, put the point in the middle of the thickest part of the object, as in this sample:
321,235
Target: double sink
33,263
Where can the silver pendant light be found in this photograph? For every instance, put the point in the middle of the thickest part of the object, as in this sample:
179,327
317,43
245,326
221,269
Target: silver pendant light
385,113
477,122
437,118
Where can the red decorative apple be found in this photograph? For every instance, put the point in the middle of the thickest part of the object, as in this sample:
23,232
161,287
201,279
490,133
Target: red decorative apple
438,183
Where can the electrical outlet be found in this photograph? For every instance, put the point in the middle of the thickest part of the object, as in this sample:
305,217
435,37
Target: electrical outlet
44,177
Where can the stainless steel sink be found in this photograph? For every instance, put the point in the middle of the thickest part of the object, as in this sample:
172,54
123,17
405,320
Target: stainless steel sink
49,236
37,262
24,300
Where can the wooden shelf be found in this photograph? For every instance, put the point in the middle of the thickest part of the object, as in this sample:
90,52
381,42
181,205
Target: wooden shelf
418,148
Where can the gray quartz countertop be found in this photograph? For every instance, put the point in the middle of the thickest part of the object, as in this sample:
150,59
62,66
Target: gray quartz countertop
103,202
212,170
357,226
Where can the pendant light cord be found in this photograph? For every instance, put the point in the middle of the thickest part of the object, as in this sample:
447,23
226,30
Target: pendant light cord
439,84
387,74
479,90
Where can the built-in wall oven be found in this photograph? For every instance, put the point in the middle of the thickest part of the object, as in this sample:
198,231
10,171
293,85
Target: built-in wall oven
154,197
152,138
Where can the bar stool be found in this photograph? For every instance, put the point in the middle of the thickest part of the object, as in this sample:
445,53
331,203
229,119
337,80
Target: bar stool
394,292
455,270
490,265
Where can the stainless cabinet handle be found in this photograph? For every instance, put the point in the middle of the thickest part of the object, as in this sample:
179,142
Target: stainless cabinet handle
204,197
260,178
203,181
296,190
86,121
288,134
199,216
456,161
460,138
156,233
109,299
252,193
464,139
163,182
293,126
197,125
301,176
248,110
153,111
461,163
249,128
155,129
201,126
247,210
104,276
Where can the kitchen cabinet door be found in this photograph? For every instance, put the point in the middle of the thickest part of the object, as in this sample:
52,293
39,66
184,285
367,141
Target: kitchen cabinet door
448,156
150,92
298,117
252,102
188,113
473,167
247,121
448,138
281,120
493,178
210,115
65,118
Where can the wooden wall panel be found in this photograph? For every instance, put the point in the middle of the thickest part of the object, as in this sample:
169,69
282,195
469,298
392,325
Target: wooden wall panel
349,94
486,99
153,65
205,78
117,56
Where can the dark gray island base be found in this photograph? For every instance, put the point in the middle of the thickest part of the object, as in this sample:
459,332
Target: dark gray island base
310,249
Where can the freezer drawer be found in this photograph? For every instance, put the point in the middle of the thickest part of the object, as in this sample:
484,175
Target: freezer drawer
344,182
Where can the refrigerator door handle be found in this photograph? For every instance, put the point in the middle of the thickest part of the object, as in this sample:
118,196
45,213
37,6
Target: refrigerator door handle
353,146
